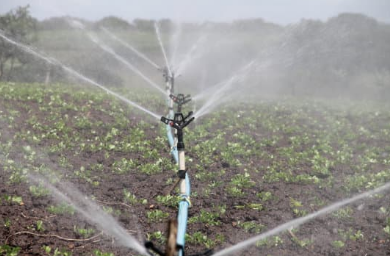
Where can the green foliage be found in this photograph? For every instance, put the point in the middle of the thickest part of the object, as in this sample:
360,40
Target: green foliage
157,236
274,241
57,252
386,229
14,199
19,25
62,208
206,217
100,253
156,215
83,232
39,226
251,227
297,207
343,213
170,201
8,250
39,191
198,238
338,244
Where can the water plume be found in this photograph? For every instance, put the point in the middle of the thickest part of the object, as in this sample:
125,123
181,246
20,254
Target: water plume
190,55
297,222
125,62
162,49
128,46
91,212
76,74
217,93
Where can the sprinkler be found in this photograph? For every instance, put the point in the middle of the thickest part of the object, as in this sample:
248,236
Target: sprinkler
179,122
180,100
169,79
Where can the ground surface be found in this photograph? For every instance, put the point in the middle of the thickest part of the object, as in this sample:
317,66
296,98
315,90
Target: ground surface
253,166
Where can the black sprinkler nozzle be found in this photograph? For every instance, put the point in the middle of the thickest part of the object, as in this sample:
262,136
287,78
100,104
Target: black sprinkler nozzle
180,100
179,121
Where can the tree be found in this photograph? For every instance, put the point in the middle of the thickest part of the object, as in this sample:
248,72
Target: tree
20,26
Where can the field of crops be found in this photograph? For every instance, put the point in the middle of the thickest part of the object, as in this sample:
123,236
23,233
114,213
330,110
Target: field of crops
253,166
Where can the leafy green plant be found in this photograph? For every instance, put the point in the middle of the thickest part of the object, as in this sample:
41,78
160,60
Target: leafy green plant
274,241
39,226
83,232
338,244
386,229
62,208
157,236
171,201
343,213
156,215
200,239
8,250
206,217
39,191
251,226
100,253
14,199
296,207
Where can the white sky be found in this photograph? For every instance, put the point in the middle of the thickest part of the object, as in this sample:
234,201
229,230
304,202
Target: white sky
277,11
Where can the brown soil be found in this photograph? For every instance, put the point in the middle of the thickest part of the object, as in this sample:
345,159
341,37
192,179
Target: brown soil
16,220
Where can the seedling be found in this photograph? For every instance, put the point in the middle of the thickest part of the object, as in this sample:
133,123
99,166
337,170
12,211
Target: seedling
39,226
8,250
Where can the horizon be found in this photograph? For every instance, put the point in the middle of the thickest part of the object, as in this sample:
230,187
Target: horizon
281,12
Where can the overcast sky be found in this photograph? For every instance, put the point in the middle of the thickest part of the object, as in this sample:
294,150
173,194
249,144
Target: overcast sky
277,11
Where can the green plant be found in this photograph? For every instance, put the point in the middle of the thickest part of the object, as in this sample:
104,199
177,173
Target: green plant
156,215
206,217
168,200
39,191
8,250
83,232
62,208
274,241
338,244
157,236
7,223
100,253
296,207
39,226
200,239
386,229
344,213
265,196
14,199
251,226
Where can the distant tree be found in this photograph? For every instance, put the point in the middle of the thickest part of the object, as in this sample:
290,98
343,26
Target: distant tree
54,23
144,25
114,23
20,26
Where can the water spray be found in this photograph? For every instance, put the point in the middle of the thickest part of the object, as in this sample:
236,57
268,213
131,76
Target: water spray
162,49
297,222
76,74
109,50
140,54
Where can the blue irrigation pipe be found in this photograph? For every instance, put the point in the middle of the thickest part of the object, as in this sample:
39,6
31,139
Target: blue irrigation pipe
184,203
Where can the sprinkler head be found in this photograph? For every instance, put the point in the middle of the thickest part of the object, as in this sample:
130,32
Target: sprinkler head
179,121
180,100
